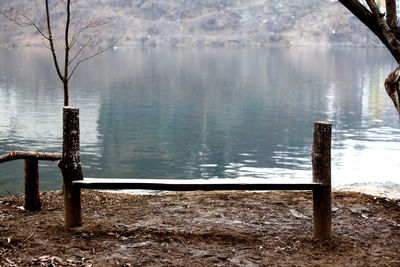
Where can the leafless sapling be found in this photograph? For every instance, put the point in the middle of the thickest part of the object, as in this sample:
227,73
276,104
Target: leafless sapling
79,40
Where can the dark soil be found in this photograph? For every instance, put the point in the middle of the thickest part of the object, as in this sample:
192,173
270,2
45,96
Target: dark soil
200,229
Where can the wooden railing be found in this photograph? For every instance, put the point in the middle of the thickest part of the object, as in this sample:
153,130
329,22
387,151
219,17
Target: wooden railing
73,181
31,173
320,186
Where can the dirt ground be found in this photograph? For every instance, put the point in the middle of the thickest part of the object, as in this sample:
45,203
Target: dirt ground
200,229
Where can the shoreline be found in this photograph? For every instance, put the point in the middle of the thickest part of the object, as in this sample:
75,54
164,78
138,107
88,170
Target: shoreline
374,191
387,193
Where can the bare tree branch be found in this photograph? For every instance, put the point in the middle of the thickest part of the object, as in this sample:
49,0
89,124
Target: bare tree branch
46,45
393,43
99,51
391,13
379,17
51,42
22,20
370,19
92,24
364,15
81,49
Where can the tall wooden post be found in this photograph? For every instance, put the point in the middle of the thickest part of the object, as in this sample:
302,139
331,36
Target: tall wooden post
70,166
31,172
321,169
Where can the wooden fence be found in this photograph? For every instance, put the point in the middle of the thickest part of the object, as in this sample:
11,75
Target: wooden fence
73,180
320,186
31,173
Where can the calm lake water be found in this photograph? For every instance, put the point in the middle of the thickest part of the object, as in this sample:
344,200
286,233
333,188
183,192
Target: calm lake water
205,113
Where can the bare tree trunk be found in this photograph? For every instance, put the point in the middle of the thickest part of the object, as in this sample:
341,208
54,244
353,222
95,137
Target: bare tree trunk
70,166
66,95
49,37
66,55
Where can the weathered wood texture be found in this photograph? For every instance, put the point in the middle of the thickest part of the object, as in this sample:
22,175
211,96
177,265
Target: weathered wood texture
321,168
32,197
186,185
14,155
70,166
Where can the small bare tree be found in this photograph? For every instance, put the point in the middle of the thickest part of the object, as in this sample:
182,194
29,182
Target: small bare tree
385,27
78,47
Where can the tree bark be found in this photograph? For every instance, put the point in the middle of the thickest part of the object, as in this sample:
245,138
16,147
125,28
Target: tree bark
70,166
392,86
391,13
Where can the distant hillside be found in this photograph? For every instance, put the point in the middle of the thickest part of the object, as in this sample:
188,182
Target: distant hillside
204,22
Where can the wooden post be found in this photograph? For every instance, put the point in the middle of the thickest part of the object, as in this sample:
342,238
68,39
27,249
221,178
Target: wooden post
321,169
70,165
32,198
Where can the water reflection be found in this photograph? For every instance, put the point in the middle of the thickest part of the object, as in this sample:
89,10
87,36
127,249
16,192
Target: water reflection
190,113
31,114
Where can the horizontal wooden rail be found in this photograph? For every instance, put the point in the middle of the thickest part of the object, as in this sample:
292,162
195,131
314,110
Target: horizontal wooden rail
187,185
31,173
320,185
30,155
